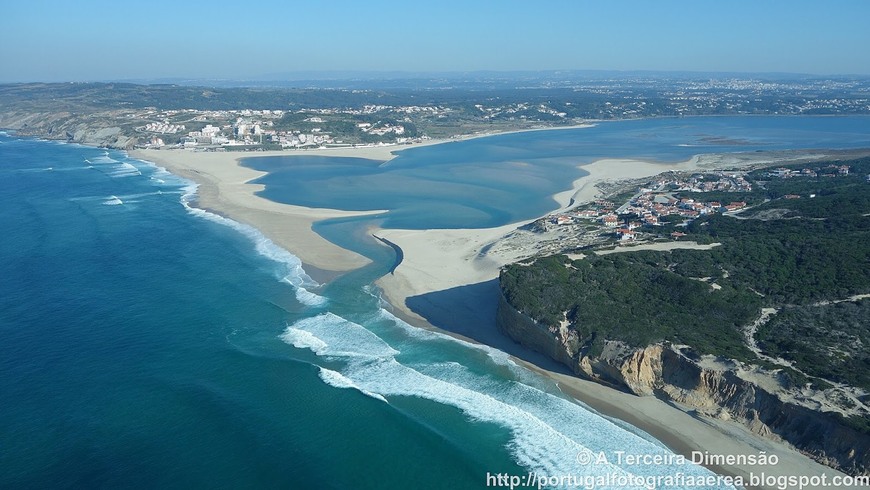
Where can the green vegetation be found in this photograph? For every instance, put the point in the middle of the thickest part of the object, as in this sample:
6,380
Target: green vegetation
861,424
630,297
794,252
830,341
750,198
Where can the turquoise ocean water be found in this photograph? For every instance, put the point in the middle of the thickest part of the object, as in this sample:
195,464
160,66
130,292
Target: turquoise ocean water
145,343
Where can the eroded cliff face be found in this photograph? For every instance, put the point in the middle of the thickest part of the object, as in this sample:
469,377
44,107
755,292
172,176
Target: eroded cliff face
90,130
717,388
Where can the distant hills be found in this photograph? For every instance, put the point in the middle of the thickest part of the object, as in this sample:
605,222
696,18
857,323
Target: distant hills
468,79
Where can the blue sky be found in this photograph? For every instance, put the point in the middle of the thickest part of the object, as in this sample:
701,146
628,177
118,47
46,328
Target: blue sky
44,40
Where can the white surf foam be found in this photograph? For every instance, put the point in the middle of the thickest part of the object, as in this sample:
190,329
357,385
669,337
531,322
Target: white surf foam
526,385
291,271
497,356
115,199
163,177
49,169
336,379
140,195
306,297
102,160
548,431
304,340
338,338
535,444
124,169
29,170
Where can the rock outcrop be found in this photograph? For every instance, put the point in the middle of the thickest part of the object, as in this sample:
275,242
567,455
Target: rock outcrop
714,387
88,130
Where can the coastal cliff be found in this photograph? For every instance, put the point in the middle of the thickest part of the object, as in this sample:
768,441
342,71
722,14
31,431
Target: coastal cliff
767,326
91,130
711,386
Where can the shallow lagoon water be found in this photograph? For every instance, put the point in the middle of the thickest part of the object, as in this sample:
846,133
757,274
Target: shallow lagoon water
493,181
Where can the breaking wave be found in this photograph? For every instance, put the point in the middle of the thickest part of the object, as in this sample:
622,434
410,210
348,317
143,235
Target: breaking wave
290,266
547,431
336,379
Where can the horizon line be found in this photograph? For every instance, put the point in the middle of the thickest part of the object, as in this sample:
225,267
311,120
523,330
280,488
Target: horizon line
356,75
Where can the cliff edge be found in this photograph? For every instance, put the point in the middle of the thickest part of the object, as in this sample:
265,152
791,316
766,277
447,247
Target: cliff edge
765,402
89,129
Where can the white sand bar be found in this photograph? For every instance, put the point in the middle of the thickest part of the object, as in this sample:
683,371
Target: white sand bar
225,188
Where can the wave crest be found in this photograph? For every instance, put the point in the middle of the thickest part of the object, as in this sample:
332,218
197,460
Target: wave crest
548,431
336,379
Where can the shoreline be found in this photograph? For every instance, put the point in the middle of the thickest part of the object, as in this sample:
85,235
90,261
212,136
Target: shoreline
436,260
225,188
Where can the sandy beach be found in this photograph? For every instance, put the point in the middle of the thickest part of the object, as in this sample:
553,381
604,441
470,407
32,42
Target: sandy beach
687,434
438,260
225,188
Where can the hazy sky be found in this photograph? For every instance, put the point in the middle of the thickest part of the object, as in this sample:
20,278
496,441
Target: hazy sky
45,40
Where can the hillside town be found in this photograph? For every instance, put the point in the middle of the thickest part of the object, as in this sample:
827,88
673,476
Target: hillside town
658,200
229,130
671,198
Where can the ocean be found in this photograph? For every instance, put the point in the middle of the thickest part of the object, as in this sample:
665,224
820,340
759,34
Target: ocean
147,343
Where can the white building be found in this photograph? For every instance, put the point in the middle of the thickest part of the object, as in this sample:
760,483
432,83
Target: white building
210,131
